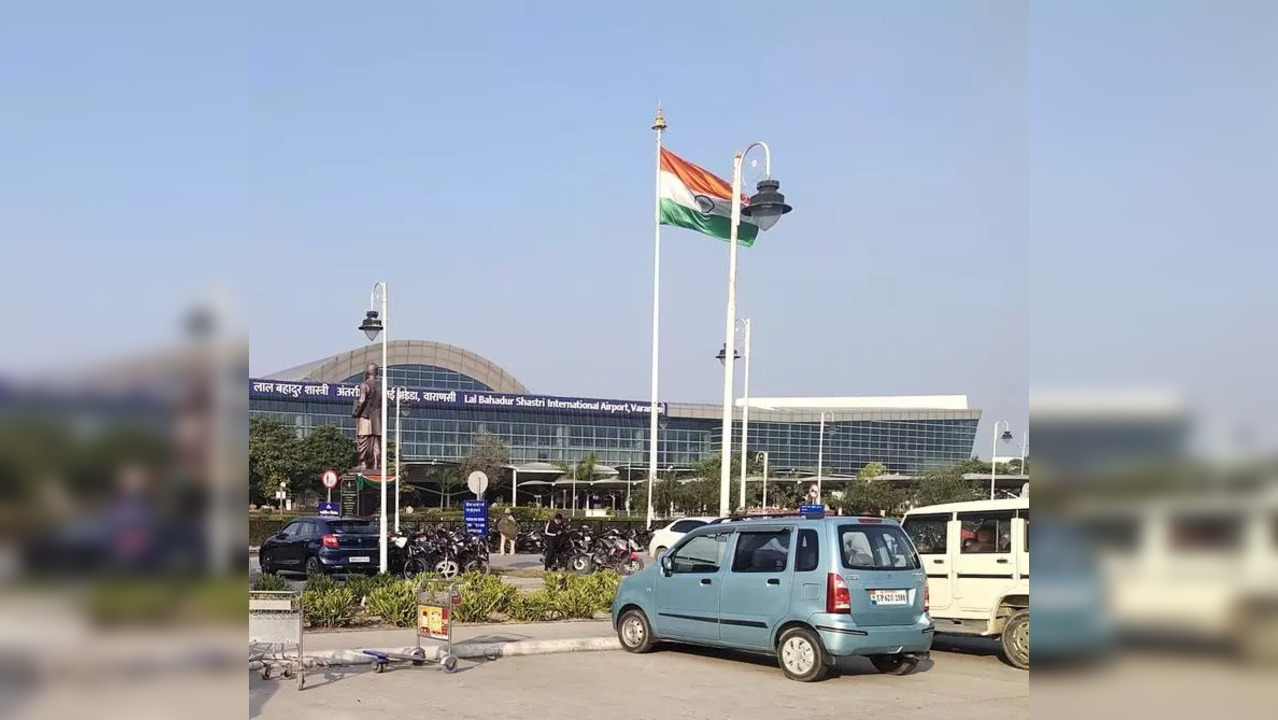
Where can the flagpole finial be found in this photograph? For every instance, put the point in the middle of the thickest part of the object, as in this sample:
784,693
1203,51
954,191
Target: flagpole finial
660,122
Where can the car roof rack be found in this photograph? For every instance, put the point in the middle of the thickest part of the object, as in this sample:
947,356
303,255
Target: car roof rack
769,516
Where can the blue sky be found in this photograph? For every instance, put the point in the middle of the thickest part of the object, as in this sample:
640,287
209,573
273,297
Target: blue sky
496,168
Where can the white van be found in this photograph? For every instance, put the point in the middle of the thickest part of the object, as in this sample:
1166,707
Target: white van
976,555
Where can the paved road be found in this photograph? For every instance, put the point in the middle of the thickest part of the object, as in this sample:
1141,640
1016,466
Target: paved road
668,684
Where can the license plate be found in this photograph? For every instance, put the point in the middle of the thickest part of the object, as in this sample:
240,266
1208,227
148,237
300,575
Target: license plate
890,597
360,558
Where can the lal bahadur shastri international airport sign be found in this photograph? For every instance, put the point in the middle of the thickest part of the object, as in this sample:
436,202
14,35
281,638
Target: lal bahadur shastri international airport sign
465,399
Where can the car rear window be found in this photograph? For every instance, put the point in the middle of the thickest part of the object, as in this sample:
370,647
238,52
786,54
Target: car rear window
876,547
351,527
686,526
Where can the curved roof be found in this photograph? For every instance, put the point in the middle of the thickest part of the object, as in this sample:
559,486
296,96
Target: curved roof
336,368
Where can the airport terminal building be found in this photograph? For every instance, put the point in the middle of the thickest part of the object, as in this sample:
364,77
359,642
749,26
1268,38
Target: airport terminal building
447,394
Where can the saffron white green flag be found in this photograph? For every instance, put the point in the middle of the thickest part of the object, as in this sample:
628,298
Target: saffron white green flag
699,200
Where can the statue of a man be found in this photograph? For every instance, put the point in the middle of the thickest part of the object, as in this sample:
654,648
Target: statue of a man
368,420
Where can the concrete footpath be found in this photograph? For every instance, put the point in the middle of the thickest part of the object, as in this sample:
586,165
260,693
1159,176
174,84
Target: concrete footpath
469,641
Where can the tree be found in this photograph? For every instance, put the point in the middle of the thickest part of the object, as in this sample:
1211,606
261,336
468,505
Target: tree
274,455
488,454
872,470
325,448
943,486
865,496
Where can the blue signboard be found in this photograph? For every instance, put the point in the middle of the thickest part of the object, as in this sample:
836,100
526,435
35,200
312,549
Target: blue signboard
475,515
807,509
329,509
452,398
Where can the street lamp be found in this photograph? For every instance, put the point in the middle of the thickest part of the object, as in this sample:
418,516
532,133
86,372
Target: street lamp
763,505
745,412
1006,435
722,357
821,450
764,209
372,326
399,448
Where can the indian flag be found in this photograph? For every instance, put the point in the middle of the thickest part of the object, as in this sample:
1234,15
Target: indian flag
698,200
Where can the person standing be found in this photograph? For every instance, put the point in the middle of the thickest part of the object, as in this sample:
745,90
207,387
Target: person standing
509,529
555,531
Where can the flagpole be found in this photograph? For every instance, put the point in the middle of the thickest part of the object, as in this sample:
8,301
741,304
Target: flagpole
658,124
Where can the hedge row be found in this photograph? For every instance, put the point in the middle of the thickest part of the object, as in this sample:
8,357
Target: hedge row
484,598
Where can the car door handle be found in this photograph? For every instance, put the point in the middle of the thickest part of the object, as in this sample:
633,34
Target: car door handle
938,561
774,581
1001,561
706,581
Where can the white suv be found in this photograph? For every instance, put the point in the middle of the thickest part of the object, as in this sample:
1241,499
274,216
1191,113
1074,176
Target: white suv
666,536
976,555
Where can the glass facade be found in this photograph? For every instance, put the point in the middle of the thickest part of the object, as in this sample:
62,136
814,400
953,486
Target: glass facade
925,440
425,376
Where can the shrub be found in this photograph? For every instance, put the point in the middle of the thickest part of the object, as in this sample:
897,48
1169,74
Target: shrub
362,585
270,582
321,582
481,596
331,607
534,607
394,602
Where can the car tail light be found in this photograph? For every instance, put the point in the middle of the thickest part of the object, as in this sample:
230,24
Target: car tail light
330,541
837,597
927,598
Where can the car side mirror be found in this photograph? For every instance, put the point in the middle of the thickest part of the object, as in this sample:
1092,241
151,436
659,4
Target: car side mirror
667,565
280,535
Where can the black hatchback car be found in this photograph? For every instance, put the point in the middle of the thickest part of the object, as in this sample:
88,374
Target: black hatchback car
316,545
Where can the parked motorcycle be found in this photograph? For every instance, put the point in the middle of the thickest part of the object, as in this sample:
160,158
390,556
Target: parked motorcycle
615,550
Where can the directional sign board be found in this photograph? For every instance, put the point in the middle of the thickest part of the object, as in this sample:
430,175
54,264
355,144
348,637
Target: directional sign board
475,515
329,509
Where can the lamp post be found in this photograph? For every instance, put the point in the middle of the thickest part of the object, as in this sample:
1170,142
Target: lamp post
372,327
399,448
745,411
765,208
821,450
1006,435
764,503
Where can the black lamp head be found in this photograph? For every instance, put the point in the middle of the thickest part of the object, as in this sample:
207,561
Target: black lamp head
372,325
722,357
767,206
1007,435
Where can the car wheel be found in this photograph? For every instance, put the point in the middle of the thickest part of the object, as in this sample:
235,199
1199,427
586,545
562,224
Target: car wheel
656,554
266,563
894,664
801,655
313,567
1015,640
634,632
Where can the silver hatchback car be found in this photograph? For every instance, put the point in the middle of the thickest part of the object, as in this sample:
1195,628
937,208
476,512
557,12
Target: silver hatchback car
807,588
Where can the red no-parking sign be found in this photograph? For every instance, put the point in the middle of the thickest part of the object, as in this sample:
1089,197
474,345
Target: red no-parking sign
329,478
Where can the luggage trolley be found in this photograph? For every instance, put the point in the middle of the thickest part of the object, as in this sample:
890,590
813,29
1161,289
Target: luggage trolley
435,602
275,623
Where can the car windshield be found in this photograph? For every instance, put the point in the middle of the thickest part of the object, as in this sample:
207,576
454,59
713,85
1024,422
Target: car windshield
876,547
351,527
